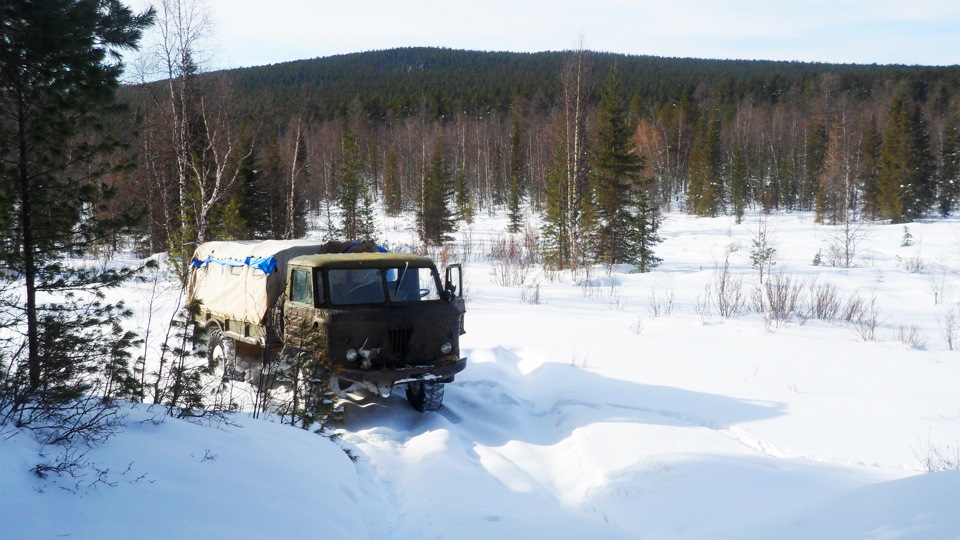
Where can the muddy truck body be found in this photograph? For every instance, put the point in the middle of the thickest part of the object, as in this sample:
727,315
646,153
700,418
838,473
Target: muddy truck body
385,320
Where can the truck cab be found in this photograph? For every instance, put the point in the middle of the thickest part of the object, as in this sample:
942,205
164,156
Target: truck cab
386,320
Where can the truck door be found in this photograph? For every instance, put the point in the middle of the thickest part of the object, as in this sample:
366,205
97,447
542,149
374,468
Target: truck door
453,283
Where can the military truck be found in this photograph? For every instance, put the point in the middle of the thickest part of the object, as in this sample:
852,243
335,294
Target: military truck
386,320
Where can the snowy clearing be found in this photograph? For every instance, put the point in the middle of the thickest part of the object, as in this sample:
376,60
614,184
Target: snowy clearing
612,405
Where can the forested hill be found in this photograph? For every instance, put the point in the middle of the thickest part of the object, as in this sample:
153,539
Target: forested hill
559,132
444,80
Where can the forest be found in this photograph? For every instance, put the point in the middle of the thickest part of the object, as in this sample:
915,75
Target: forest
617,382
599,144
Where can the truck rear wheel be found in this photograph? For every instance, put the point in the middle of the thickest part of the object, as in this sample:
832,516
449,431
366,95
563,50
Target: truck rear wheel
425,396
222,355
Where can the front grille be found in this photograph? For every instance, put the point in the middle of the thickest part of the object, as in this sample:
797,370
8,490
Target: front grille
399,342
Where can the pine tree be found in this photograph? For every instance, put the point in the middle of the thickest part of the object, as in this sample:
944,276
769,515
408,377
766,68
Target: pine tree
59,73
434,215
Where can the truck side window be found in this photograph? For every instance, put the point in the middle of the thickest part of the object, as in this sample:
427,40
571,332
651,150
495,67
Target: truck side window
300,289
318,287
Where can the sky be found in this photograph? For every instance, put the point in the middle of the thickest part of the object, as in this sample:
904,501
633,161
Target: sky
926,32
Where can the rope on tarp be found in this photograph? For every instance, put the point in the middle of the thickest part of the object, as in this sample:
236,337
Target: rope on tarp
264,264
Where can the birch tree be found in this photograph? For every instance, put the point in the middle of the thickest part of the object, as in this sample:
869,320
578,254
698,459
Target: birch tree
206,149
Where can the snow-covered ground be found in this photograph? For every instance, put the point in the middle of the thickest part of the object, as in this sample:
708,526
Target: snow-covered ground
584,414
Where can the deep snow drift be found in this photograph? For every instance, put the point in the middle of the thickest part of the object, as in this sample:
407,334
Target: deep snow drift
584,413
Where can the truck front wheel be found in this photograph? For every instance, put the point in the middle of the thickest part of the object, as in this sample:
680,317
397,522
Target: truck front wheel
425,396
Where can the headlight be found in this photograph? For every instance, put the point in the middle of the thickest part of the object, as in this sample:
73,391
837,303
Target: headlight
446,348
352,355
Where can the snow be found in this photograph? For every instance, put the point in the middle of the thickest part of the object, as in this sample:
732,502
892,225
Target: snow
583,415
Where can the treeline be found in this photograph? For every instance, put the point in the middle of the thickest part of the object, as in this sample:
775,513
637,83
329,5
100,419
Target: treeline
246,153
446,82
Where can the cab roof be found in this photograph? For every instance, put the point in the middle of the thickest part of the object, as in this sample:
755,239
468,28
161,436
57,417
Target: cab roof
362,260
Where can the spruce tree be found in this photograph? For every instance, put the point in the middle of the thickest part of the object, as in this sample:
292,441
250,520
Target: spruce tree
869,170
643,231
515,188
356,206
434,215
738,184
705,186
894,169
392,187
499,191
906,182
949,177
921,191
556,228
248,198
814,161
619,236
462,197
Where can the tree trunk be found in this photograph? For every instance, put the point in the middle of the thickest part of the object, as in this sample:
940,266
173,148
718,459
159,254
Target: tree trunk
34,362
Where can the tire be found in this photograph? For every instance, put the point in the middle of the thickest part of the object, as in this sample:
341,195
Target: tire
425,396
222,356
341,385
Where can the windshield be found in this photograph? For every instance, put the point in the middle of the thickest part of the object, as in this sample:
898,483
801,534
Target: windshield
356,286
407,284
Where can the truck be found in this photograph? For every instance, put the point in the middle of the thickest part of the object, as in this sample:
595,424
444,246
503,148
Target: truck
385,320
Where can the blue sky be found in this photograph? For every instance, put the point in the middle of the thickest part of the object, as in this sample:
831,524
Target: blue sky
246,32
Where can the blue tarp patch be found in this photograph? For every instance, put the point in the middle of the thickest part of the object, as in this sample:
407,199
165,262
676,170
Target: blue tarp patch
264,264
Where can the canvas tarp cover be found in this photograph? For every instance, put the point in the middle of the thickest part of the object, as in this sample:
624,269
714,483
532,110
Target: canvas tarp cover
243,280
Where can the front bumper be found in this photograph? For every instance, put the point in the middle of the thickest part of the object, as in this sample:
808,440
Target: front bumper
392,377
